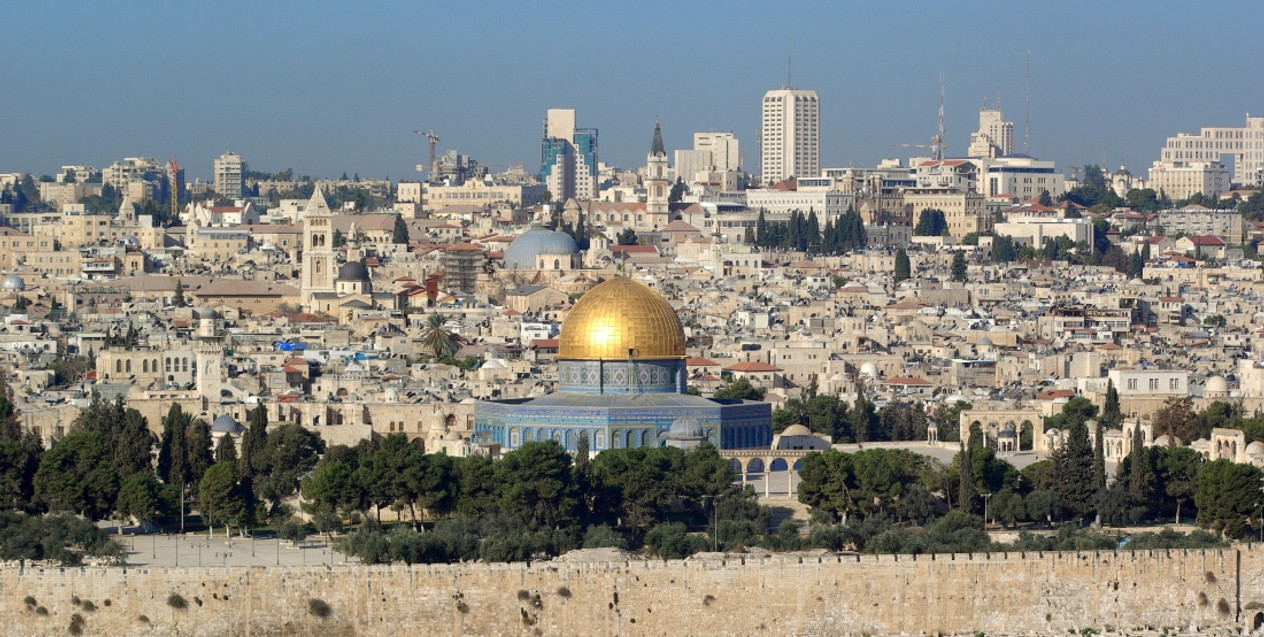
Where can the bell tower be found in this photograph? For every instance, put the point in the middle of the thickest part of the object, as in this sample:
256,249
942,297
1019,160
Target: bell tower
657,185
318,249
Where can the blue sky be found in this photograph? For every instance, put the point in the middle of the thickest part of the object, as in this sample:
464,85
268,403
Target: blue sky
327,87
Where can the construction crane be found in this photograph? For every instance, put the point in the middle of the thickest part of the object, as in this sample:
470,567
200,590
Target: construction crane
434,139
936,144
175,188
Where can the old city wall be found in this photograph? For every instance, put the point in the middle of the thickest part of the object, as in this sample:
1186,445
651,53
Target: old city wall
1001,593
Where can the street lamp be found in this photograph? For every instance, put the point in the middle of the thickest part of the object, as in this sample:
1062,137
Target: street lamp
715,523
985,497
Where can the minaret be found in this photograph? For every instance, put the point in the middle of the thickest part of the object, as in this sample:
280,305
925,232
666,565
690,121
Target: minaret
318,249
657,186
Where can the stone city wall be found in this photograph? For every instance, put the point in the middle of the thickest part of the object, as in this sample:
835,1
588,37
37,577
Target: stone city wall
1043,594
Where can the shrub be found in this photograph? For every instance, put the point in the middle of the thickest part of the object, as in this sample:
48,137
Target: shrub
462,607
523,595
74,599
89,606
602,536
319,608
41,611
144,619
564,592
177,602
76,624
29,601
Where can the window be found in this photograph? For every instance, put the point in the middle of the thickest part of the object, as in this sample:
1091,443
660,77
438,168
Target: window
1174,384
1154,384
1132,383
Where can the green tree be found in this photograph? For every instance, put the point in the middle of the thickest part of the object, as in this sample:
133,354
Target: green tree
226,450
77,475
959,270
219,497
626,238
19,460
741,388
140,497
400,233
334,487
902,267
1112,417
536,486
930,223
436,337
1227,494
253,441
1003,250
178,300
1073,467
678,191
1045,199
291,452
1178,473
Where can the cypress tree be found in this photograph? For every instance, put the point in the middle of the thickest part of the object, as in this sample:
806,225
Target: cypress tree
1099,457
902,267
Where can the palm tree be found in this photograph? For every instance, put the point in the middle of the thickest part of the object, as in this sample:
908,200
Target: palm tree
437,338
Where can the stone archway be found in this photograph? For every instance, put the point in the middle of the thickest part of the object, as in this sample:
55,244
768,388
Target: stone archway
1257,621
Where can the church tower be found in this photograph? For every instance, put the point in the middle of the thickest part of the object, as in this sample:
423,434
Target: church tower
318,249
657,185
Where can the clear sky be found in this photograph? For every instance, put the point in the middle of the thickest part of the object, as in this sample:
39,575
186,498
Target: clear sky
327,87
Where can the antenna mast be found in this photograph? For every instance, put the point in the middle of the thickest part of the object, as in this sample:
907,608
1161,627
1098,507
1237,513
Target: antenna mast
789,67
1027,125
939,136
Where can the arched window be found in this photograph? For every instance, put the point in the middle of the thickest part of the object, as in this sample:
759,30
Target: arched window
557,264
128,365
144,366
118,367
601,440
186,363
515,437
168,364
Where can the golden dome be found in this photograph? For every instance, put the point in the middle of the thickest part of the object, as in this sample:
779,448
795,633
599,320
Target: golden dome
621,319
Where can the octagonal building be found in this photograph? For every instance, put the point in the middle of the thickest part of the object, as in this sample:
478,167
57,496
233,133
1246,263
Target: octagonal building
621,380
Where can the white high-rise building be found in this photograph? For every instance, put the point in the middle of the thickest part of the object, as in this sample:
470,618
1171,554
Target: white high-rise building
995,137
1244,144
790,142
229,169
725,154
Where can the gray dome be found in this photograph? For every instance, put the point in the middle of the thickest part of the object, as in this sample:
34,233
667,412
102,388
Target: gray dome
353,271
13,282
207,312
524,252
226,424
685,428
1008,432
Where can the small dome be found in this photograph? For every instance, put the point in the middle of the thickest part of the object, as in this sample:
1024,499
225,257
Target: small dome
392,395
685,428
13,282
796,430
226,424
353,271
1168,441
1216,385
985,342
1008,432
207,313
1255,449
870,370
525,251
452,435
